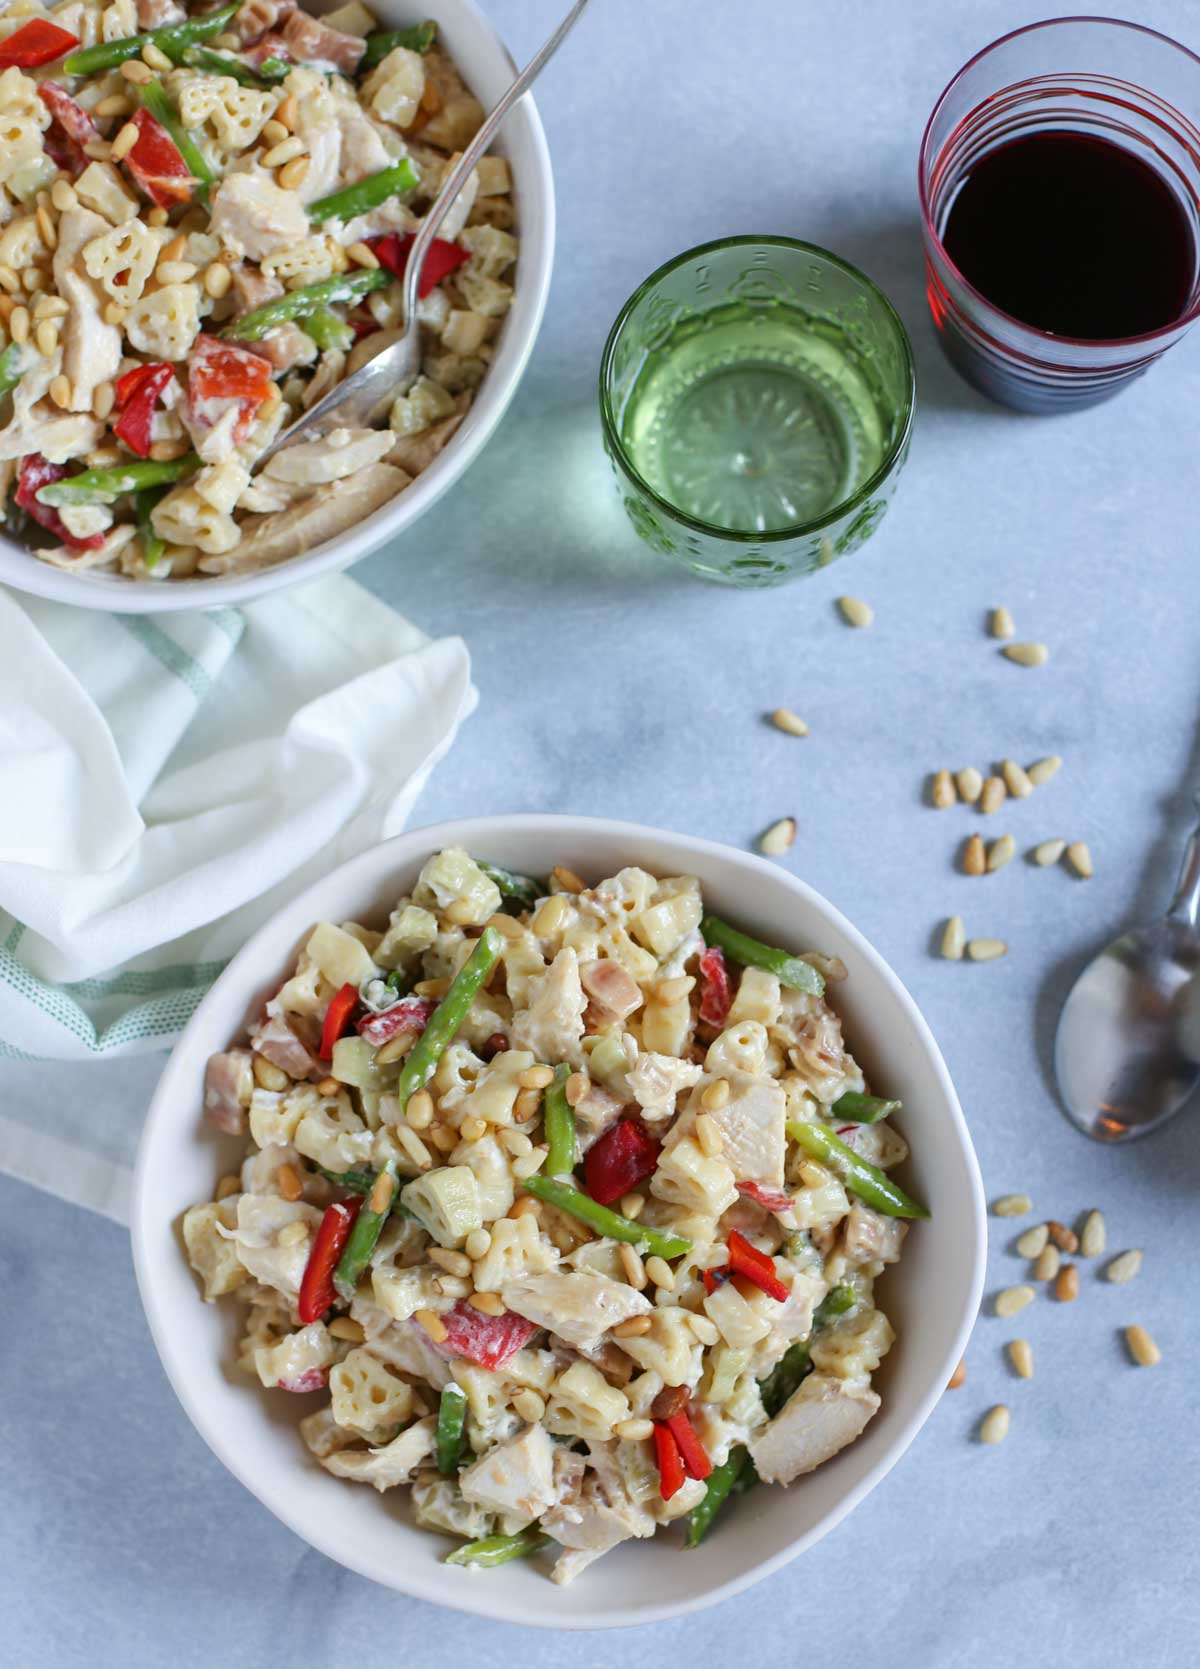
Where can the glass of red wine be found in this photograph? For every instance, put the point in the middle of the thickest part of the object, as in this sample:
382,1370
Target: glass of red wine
1060,204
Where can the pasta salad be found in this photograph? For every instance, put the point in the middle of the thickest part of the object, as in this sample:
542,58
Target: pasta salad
204,215
569,1203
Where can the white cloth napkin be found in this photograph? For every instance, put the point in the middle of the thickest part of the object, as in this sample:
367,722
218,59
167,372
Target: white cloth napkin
167,781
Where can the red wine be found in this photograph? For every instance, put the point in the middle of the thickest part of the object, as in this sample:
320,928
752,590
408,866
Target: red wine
1075,235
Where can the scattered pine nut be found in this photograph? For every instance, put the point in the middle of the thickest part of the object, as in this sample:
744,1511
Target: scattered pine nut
970,784
1002,623
1012,1300
1124,1267
1033,1242
634,1268
268,1076
986,950
419,1111
1064,1238
1013,1205
18,324
362,255
454,1263
156,58
855,612
536,1077
273,132
703,1328
632,1206
1048,852
125,140
974,859
565,880
116,104
709,1135
577,1086
395,1048
289,1184
478,1243
667,992
432,1323
530,1406
1066,1287
1142,1347
1027,654
1020,1354
994,1428
1080,859
715,1095
660,1272
633,1430
790,723
1016,780
345,1327
487,1303
328,1086
291,1234
633,1328
104,398
1041,773
175,272
217,279
954,939
778,837
292,173
1092,1236
133,69
284,151
382,1193
288,112
958,1377
1047,1265
993,796
943,792
1001,851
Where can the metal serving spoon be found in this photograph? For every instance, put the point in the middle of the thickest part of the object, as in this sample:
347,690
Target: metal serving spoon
1127,1054
360,398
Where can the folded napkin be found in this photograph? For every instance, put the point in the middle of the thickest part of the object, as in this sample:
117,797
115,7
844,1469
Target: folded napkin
168,781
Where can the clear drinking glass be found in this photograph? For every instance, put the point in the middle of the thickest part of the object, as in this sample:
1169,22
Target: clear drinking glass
756,398
1089,75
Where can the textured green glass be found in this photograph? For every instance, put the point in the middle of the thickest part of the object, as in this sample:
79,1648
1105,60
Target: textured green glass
756,397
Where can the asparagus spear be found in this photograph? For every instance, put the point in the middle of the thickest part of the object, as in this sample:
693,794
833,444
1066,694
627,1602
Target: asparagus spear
853,1108
523,888
217,63
871,1184
101,486
299,304
418,37
752,953
326,329
154,98
604,1221
365,194
11,372
452,1414
152,545
720,1484
498,1550
558,1123
173,39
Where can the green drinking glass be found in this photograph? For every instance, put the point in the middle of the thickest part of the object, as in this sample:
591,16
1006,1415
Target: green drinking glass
756,397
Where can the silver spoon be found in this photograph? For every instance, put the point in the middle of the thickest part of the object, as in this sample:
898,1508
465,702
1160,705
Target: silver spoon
1127,1054
360,398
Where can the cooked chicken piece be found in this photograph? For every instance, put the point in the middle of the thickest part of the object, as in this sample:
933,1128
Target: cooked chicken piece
252,286
251,213
340,453
277,1040
614,993
551,1026
259,1220
751,1123
869,1237
416,452
816,1421
577,1307
91,349
228,1086
330,510
819,1055
255,17
657,1079
314,42
394,1464
515,1477
593,1525
38,426
286,347
152,14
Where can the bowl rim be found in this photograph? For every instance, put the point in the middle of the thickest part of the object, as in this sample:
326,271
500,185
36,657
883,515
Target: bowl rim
245,968
115,594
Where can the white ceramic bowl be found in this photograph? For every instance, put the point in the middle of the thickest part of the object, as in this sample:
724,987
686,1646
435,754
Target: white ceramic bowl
488,69
931,1296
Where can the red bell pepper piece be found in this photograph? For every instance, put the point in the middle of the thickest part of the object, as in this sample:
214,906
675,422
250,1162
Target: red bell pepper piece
410,1014
312,1379
771,1199
37,42
138,393
156,164
36,473
392,251
316,1287
623,1157
221,374
714,1278
691,1449
71,128
363,324
716,992
670,1461
756,1266
337,1018
487,1340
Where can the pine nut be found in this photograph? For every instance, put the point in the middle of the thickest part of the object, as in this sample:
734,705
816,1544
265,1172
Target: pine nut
362,255
46,227
1092,1236
114,313
432,1323
104,397
633,1328
634,1431
116,104
969,783
18,324
477,1244
166,451
125,140
157,216
986,950
1033,1242
454,1263
530,1164
284,151
943,793
632,1206
576,1088
328,1087
1142,1347
855,612
395,1048
715,1095
288,112
273,132
1047,1265
473,1129
529,1406
1064,1238
1002,623
670,991
487,1303
536,1077
708,1133
1013,1205
565,880
415,1148
1048,852
515,1142
268,1076
9,282
635,1269
954,939
1020,1354
290,1185
98,150
1016,780
133,69
1044,769
46,337
1012,1300
228,1185
383,1193
291,1234
450,1286
778,838
551,917
174,249
156,58
704,1329
993,796
1124,1267
1027,654
1080,859
974,859
660,1272
345,1327
1066,1287
431,988
175,272
217,279
958,1377
790,723
995,1424
526,1105
1001,851
292,174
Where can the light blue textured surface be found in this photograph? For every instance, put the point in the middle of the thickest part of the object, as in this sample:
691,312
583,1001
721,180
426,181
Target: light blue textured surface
611,685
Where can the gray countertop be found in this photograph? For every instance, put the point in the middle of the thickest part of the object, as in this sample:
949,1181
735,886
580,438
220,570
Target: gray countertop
612,684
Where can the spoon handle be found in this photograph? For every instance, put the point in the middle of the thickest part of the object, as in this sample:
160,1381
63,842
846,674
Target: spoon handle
1185,905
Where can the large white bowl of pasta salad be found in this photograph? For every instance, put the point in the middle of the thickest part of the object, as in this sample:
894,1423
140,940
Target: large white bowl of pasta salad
205,210
559,1220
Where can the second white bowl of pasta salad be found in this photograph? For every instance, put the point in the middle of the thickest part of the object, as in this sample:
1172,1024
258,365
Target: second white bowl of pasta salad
556,1179
205,211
